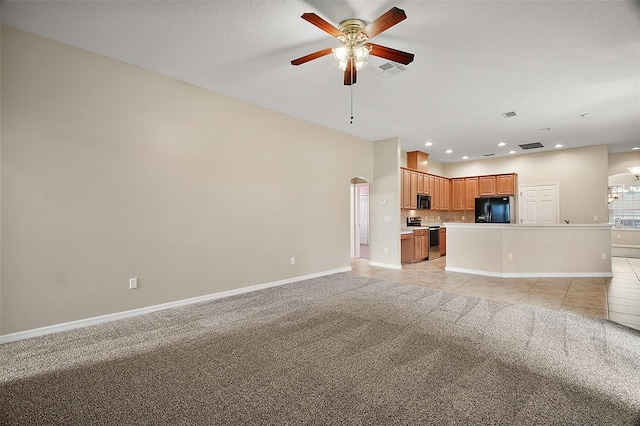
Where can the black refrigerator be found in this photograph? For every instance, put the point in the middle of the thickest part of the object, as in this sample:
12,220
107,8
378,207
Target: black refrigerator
494,210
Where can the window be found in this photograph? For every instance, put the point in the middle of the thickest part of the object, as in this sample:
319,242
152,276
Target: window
624,206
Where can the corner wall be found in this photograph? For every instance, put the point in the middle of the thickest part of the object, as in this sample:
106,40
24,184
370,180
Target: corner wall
384,204
110,172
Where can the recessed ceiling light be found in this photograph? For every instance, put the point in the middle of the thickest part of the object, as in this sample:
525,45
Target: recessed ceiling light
512,152
449,151
635,148
558,145
466,157
586,114
502,144
428,143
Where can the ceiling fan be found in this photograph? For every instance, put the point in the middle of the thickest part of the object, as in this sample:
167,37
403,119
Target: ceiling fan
354,35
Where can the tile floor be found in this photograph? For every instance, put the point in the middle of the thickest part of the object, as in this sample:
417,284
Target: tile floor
617,298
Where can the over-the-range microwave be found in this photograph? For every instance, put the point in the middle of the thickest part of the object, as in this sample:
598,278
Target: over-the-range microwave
424,202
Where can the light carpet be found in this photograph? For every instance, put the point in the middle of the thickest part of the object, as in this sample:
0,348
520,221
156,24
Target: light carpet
339,349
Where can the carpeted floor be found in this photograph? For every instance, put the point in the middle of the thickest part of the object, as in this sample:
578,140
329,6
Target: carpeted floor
334,350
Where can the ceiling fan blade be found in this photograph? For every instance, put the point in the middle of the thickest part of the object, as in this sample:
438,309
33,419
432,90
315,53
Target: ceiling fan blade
384,22
322,24
391,54
311,56
350,73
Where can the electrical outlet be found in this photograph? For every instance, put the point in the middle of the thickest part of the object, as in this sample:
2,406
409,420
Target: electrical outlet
133,283
462,217
386,251
293,260
604,256
595,218
510,256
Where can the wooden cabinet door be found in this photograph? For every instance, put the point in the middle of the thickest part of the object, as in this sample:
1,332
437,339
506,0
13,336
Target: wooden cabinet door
443,241
435,196
406,248
420,183
486,186
414,190
425,246
506,184
457,194
425,180
447,194
419,237
406,189
471,193
432,190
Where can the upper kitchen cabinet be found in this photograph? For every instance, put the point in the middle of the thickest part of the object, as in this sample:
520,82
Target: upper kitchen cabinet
418,160
458,193
506,184
486,186
409,189
497,185
471,192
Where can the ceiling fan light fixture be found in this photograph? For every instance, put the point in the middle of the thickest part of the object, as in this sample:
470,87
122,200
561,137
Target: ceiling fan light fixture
344,54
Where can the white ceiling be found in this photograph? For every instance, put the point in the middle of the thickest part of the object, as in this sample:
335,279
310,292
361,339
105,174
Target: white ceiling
549,61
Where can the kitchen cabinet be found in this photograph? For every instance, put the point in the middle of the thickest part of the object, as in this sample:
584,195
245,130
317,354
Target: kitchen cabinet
446,194
420,183
486,186
443,241
414,191
420,244
506,184
458,194
406,248
418,160
406,189
414,247
471,192
496,185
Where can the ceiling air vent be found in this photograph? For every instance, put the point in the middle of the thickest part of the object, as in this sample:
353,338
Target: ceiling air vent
533,145
509,114
488,155
389,69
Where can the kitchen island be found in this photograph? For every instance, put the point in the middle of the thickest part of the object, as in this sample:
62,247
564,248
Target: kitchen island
510,250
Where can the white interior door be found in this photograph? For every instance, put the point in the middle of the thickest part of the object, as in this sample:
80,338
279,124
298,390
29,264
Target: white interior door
539,204
363,219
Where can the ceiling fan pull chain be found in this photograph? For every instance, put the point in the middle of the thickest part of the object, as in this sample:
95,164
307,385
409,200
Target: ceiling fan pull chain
351,88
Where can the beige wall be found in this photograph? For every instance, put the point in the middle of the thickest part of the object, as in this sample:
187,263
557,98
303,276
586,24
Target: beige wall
110,172
581,174
384,203
523,250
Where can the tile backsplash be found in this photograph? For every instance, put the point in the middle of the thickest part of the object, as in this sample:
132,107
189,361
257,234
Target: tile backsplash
435,216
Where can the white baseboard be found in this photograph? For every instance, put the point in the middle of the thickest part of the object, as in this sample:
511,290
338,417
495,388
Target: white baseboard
385,265
620,250
531,274
12,337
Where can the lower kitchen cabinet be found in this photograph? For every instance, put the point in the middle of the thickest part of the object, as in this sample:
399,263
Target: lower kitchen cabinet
414,247
443,241
406,248
420,244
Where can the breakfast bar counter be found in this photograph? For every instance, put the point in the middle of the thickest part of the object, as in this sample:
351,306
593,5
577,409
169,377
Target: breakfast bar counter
511,250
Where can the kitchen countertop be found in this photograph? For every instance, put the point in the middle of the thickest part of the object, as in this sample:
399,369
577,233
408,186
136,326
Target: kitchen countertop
410,229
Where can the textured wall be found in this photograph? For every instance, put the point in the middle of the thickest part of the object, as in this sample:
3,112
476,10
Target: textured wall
110,172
